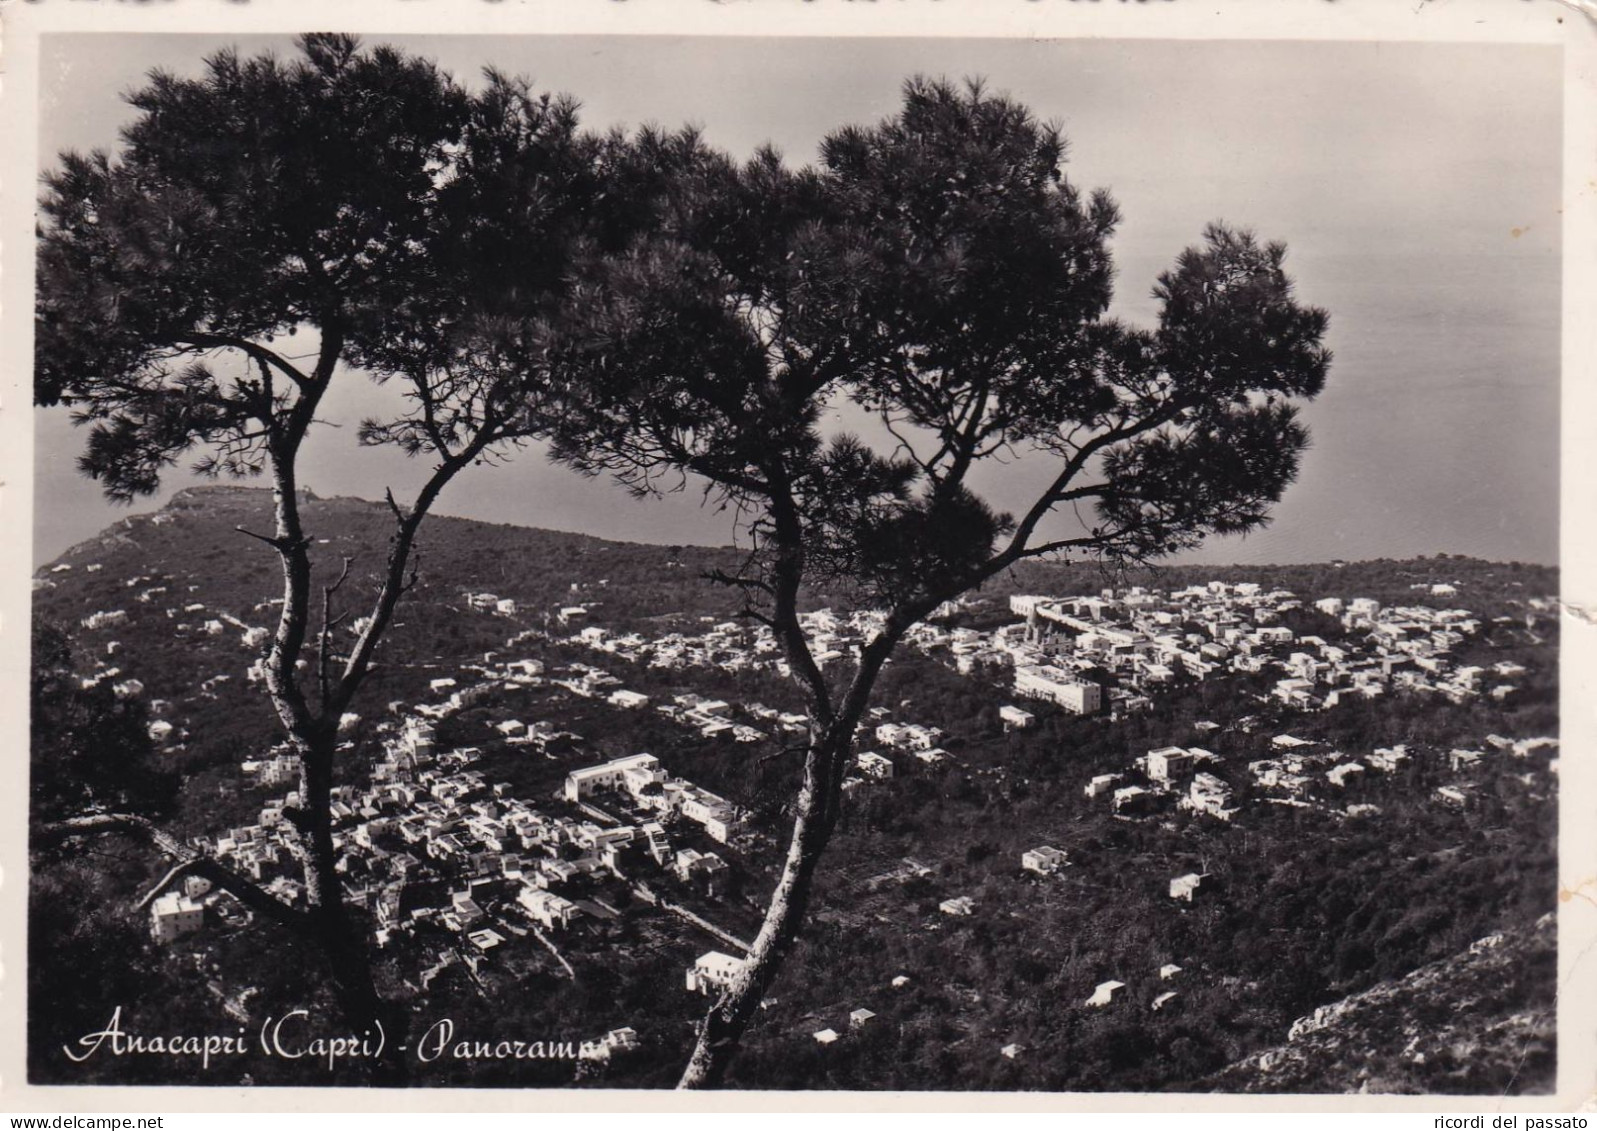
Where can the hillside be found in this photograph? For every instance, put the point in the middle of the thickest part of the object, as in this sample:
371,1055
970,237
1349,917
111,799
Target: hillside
191,586
1304,905
1480,1022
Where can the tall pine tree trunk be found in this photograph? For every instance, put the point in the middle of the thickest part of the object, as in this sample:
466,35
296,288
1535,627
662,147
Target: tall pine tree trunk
815,815
816,810
315,736
344,946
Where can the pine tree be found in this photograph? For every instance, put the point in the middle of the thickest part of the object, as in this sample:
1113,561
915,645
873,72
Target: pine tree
939,272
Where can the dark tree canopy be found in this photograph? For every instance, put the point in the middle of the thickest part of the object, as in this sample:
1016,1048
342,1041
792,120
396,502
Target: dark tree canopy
264,197
358,195
272,226
939,271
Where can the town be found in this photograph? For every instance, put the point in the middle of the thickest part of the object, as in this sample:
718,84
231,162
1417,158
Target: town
435,850
567,790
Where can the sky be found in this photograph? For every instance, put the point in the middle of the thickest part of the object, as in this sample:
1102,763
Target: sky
1417,187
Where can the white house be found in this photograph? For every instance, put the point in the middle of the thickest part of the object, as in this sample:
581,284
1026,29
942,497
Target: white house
1211,795
553,911
174,915
1340,774
1101,784
1184,887
1044,860
106,618
1104,993
713,972
1016,718
1132,799
718,816
874,765
1168,763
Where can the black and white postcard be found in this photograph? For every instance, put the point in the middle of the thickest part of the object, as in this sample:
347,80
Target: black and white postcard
1038,550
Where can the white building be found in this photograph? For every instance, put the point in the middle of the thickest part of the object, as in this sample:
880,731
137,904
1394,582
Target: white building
281,769
631,773
1168,763
1363,608
174,915
713,973
1340,774
1016,718
106,618
874,765
717,815
553,911
1101,784
1104,993
1055,685
891,734
1211,795
1131,799
1045,860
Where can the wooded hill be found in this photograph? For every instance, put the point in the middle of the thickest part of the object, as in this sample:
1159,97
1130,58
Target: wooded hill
1303,909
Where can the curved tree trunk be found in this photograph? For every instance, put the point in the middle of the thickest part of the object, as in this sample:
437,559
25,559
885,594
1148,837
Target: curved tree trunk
816,809
816,814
